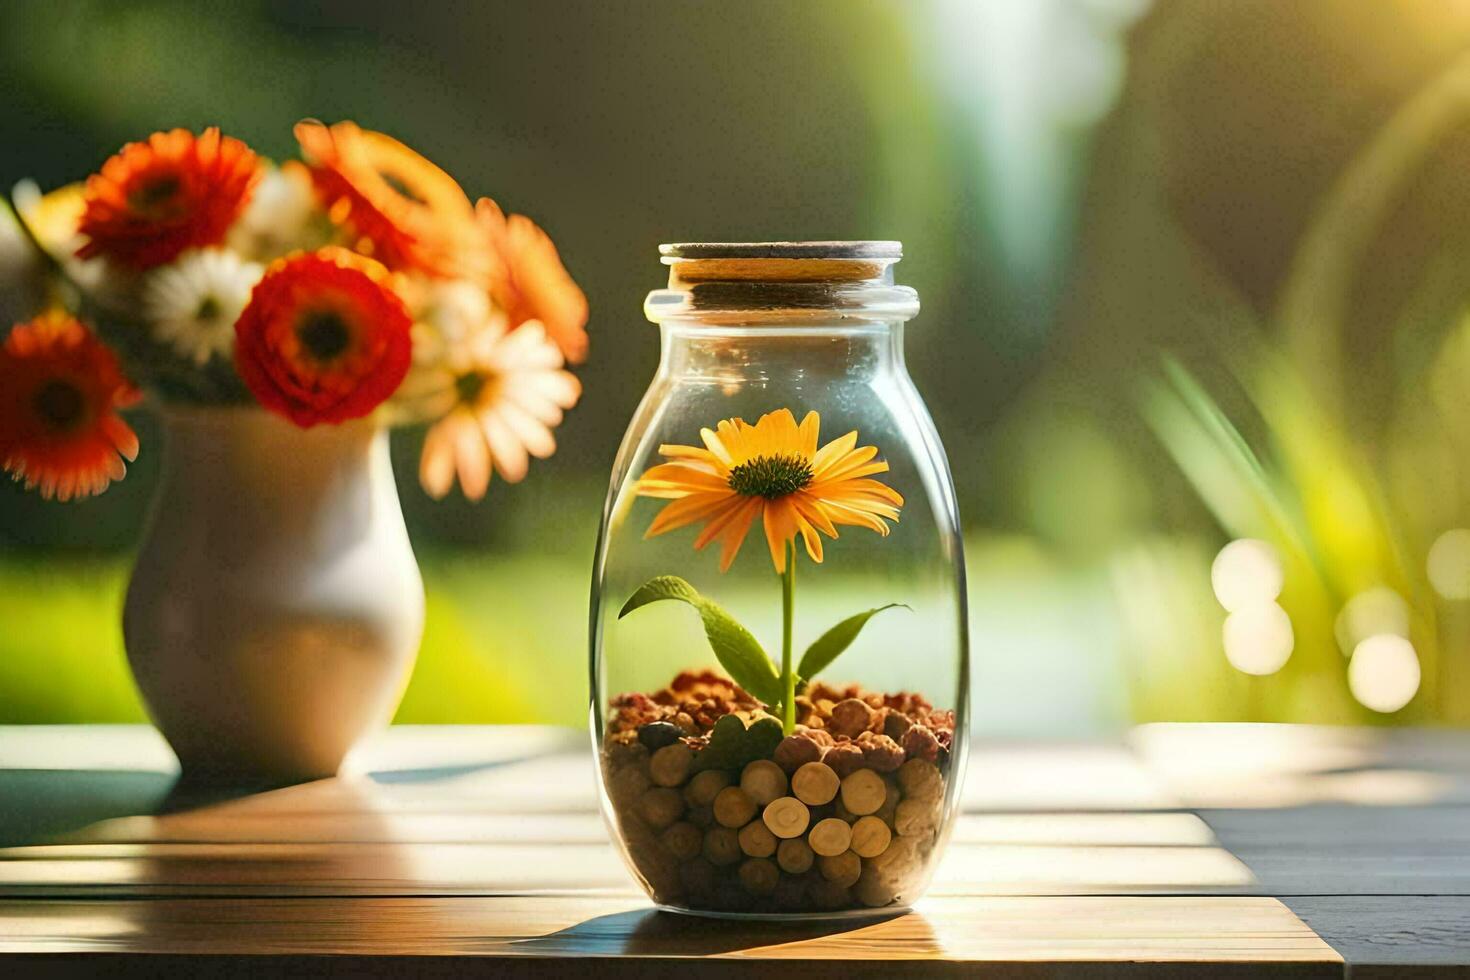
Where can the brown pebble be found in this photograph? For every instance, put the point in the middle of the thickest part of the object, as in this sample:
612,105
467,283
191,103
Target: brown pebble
759,876
794,856
901,861
844,758
722,846
850,717
660,807
890,802
873,888
763,781
814,784
628,751
628,784
895,724
863,792
870,837
830,836
705,786
787,817
920,780
733,808
669,766
683,840
919,743
820,736
757,840
881,753
842,868
795,751
916,817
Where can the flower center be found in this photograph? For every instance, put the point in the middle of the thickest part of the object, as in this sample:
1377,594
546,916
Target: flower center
324,335
60,404
153,197
209,309
771,476
469,387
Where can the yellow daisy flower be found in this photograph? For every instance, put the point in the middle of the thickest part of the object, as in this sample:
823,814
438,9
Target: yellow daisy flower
772,470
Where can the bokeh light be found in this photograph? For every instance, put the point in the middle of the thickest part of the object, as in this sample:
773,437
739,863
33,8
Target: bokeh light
1379,611
1448,564
1246,572
1258,638
1384,672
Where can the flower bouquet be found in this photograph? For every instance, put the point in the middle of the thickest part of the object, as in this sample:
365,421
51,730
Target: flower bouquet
280,316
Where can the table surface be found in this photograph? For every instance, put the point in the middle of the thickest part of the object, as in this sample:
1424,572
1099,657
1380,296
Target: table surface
1181,850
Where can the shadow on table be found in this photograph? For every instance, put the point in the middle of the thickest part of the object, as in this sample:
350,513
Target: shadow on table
651,933
41,805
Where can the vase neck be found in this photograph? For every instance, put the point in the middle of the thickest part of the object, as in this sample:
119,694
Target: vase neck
264,461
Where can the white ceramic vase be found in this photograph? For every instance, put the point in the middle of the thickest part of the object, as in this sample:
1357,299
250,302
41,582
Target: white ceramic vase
275,609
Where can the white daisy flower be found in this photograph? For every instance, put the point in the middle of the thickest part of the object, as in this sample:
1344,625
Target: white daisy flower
281,216
193,302
498,393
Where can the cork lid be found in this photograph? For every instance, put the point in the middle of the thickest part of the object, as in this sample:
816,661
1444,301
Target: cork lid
892,251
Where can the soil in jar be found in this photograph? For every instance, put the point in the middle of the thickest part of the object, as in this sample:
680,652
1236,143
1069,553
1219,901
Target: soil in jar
719,812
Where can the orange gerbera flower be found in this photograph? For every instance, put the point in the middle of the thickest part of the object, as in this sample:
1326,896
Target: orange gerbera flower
60,390
403,210
775,471
528,280
173,192
323,338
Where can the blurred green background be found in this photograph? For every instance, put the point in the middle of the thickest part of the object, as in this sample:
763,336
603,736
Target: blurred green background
1191,272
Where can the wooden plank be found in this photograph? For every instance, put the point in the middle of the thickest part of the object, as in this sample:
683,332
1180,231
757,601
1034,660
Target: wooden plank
1066,936
1274,766
1350,850
520,867
1061,776
1385,936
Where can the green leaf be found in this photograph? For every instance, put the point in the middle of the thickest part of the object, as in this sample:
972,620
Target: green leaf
738,652
829,645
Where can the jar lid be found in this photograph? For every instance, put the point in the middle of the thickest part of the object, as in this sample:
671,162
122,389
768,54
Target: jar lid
781,250
771,282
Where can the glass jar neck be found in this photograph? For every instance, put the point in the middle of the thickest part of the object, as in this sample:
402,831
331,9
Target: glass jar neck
812,351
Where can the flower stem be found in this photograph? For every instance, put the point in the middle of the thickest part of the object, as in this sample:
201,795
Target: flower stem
788,672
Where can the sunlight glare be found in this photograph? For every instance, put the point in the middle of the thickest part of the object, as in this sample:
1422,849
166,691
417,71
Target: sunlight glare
1449,564
1246,572
1373,612
1258,638
1384,673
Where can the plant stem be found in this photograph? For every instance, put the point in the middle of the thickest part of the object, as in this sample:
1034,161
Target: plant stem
788,672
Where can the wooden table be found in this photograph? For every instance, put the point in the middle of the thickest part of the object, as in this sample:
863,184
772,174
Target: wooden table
1184,851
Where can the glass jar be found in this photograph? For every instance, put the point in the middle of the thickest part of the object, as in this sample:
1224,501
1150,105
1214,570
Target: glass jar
778,625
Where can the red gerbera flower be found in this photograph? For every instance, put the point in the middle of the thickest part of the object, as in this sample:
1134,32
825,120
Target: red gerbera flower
173,192
324,338
402,209
60,390
528,280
